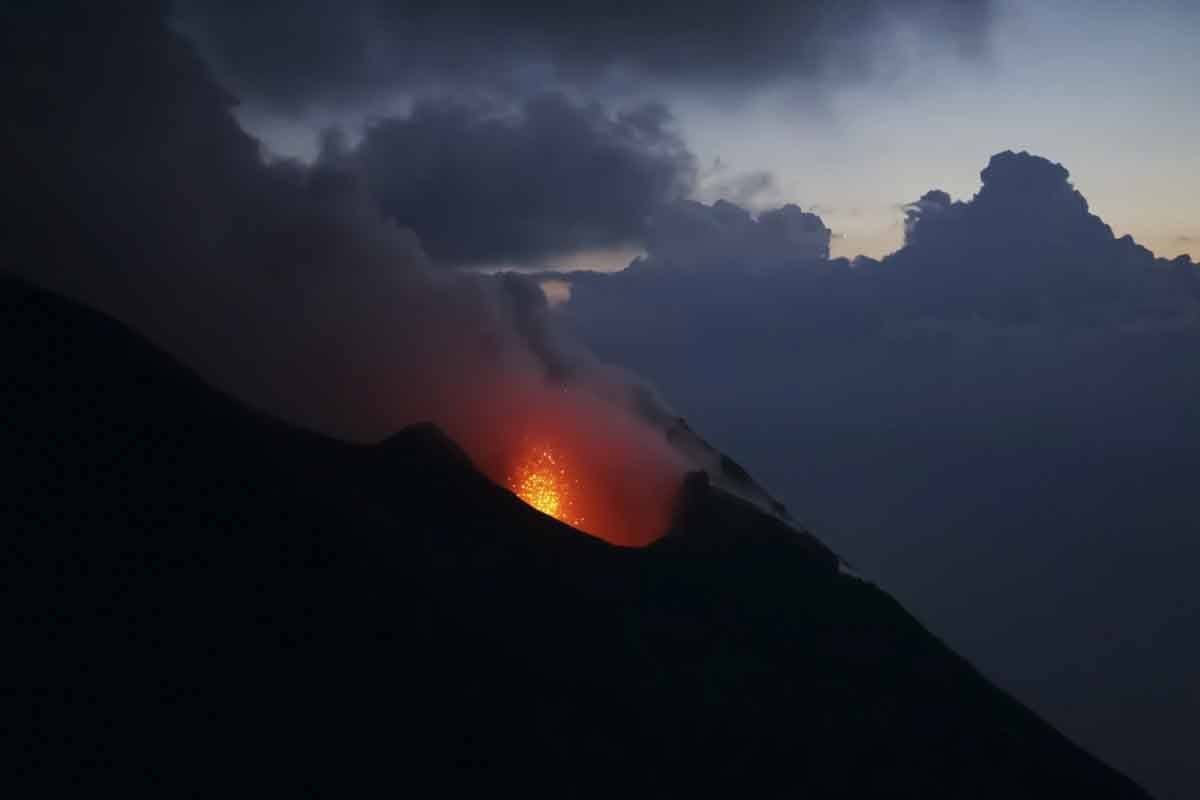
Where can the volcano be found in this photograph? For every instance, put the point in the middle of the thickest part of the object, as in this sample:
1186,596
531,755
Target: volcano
544,483
202,597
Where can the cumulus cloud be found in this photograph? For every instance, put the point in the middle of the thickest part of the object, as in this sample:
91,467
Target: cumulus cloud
1024,247
932,204
1024,251
694,237
327,54
485,182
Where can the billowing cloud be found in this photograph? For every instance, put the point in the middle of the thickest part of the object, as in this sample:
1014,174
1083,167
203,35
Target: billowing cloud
495,159
1026,247
694,237
284,284
323,53
932,204
492,183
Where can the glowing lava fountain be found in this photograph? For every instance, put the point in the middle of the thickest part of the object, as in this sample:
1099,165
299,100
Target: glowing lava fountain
541,480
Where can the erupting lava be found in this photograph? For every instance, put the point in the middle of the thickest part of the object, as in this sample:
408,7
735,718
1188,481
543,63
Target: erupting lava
541,481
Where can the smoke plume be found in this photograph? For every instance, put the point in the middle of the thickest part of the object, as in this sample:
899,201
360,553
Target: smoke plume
283,283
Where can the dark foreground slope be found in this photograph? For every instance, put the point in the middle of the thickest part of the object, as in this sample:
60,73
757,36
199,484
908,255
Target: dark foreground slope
200,596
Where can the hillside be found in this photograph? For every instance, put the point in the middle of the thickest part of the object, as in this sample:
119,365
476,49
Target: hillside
203,595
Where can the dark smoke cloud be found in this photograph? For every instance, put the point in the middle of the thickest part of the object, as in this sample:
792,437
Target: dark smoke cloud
480,182
297,54
498,161
283,282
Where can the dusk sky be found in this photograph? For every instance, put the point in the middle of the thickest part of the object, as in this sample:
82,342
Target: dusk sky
1108,88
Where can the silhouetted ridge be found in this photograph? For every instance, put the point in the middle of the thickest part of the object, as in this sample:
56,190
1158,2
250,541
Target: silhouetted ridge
710,518
202,597
721,468
422,444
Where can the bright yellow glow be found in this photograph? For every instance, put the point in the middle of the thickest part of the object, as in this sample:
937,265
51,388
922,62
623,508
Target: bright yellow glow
542,482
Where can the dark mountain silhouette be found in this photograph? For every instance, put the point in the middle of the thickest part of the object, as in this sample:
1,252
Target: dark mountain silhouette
202,596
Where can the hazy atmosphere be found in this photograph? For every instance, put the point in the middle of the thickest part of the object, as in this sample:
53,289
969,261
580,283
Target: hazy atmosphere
923,268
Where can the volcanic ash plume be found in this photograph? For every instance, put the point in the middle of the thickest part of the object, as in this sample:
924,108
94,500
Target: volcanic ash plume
282,283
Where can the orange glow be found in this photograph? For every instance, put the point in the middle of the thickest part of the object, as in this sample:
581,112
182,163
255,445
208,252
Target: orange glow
541,480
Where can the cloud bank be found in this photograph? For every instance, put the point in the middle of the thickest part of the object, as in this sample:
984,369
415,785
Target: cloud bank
322,54
691,236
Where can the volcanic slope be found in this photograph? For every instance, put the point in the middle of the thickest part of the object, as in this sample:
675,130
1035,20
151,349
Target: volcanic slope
200,595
